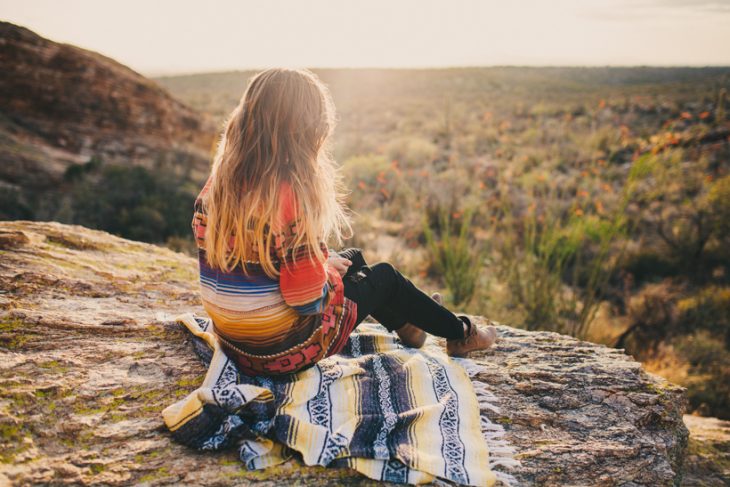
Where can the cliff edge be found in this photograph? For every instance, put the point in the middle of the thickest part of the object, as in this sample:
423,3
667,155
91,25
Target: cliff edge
86,366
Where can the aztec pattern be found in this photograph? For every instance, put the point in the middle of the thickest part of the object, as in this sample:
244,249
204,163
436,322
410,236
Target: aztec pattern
392,413
275,326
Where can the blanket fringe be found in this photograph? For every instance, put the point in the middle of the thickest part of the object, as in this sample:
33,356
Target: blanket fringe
501,453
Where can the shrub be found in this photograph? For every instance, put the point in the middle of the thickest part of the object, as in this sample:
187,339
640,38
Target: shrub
133,202
708,386
454,256
650,265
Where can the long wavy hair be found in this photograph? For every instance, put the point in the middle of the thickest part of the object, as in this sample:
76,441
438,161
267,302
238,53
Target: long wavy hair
279,132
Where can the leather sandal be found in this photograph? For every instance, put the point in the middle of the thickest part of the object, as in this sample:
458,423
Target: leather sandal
475,338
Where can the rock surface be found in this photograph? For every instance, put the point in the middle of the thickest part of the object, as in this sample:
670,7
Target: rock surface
86,366
61,105
708,454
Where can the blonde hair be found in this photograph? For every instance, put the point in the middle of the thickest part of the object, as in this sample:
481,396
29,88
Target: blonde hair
277,133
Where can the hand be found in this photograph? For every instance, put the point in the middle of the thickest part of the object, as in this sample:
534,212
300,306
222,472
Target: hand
339,263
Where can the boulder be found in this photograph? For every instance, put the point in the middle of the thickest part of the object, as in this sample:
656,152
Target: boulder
63,105
89,358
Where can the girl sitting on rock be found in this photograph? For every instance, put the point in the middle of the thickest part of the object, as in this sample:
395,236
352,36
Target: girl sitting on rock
279,298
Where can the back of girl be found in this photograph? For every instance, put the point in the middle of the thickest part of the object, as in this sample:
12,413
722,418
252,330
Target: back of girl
279,298
272,201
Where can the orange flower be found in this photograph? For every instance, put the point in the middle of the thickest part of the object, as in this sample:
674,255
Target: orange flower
362,185
578,212
599,206
704,115
381,177
482,185
385,192
602,104
584,174
582,193
686,115
709,178
456,214
601,162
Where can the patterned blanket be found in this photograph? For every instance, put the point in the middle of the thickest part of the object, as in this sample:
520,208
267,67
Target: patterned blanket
390,412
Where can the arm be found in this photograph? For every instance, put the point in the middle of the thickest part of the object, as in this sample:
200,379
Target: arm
198,223
303,281
199,217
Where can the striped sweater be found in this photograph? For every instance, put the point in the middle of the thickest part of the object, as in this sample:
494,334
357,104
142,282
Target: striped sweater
275,326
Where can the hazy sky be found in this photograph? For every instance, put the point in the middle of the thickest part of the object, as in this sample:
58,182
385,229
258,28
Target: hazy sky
169,36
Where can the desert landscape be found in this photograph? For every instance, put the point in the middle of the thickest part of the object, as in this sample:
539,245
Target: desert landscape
586,210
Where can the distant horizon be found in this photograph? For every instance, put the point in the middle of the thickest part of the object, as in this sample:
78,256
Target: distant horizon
183,37
424,68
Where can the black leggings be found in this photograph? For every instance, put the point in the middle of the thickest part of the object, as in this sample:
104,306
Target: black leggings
382,292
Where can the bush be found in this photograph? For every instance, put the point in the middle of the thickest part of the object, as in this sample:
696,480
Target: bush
411,151
14,205
650,265
133,202
708,386
454,256
708,309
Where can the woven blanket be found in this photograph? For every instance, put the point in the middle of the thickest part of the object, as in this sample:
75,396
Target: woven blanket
392,413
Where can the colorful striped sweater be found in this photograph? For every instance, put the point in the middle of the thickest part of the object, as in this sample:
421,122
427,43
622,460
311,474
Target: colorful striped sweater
275,326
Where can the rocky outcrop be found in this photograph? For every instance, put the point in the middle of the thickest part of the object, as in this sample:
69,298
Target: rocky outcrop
62,105
87,363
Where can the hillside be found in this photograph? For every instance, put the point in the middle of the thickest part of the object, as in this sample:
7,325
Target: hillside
88,361
61,106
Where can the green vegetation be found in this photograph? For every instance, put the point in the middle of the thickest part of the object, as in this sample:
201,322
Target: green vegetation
146,204
455,258
590,201
133,202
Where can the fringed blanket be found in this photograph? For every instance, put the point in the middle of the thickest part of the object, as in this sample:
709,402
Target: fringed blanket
390,412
